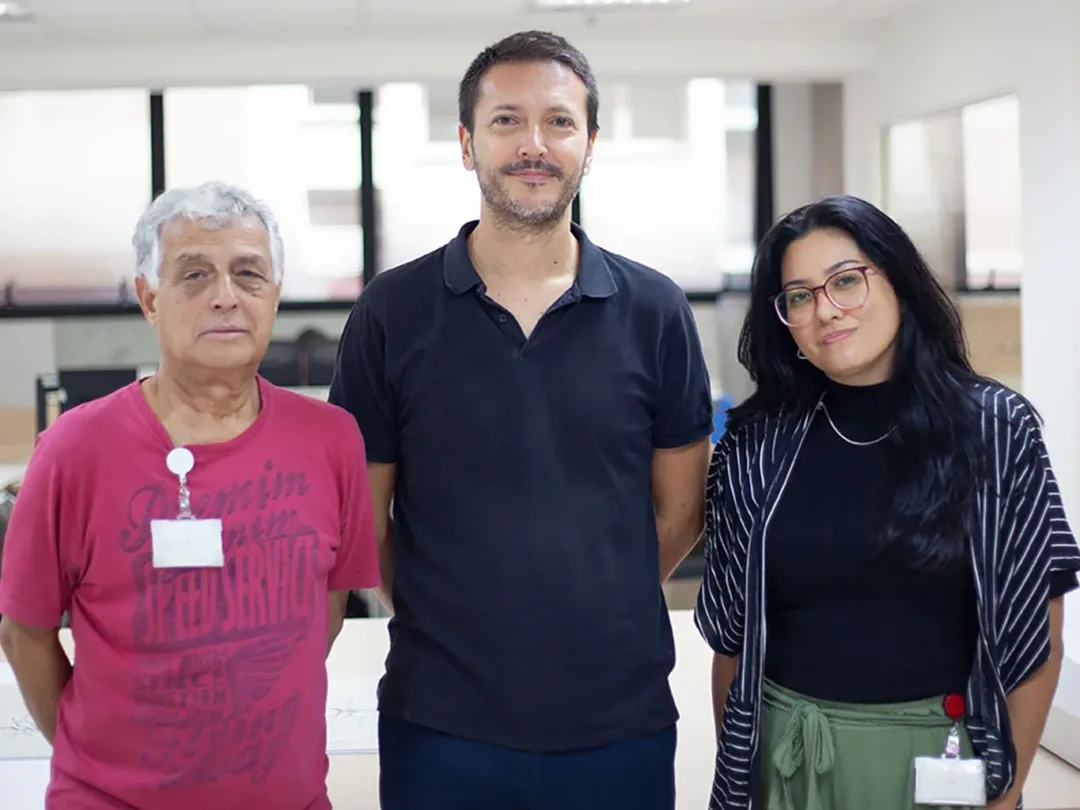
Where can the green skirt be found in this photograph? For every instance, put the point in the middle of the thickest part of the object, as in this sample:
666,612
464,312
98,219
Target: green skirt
821,755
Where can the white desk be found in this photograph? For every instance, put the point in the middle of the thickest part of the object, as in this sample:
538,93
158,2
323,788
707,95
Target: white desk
358,657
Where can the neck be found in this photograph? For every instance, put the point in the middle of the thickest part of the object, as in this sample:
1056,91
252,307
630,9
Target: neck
202,408
860,406
503,250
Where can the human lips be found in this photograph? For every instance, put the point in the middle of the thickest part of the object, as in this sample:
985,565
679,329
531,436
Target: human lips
836,337
224,331
533,175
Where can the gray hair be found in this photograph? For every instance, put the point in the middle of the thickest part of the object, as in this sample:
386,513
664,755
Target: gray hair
212,205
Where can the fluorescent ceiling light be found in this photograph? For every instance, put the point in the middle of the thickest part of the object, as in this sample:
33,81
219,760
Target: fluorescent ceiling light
600,5
12,11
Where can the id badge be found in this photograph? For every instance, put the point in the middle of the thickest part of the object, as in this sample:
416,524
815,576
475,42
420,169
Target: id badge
187,543
950,781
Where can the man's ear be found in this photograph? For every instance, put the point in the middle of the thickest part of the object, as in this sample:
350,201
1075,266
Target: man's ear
465,139
147,296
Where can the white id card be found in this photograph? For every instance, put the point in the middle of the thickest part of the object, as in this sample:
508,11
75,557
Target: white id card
187,543
950,781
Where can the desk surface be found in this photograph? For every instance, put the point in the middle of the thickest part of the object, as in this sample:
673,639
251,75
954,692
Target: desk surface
358,657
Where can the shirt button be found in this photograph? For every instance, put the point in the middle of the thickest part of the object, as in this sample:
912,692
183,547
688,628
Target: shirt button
502,318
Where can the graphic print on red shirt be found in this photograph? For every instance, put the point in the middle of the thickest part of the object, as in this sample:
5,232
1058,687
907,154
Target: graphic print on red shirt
192,685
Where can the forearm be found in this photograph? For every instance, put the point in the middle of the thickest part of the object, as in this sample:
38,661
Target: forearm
42,669
339,602
386,564
677,537
1029,706
723,675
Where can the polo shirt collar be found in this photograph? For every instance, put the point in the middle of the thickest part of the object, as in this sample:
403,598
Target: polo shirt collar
594,279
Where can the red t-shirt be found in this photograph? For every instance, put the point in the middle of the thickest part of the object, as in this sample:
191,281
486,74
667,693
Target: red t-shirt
192,688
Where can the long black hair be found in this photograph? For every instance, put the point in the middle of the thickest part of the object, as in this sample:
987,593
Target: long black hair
938,456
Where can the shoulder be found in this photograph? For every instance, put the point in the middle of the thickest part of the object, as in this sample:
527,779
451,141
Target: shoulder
746,436
317,417
1005,413
399,285
325,430
644,286
72,450
91,425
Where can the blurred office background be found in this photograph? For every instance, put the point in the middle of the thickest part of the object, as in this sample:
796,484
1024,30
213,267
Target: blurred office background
959,117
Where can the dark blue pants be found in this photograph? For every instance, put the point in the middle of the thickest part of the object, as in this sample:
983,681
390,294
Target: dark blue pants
421,769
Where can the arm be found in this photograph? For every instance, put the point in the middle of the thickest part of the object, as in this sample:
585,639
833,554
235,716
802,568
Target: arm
724,668
38,577
678,489
41,669
339,601
718,613
1029,706
1035,530
680,438
361,387
356,565
383,477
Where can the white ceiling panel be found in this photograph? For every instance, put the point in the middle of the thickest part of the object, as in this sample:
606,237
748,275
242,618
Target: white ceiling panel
126,20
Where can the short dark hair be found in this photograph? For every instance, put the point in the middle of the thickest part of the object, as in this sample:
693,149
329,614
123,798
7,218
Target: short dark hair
527,46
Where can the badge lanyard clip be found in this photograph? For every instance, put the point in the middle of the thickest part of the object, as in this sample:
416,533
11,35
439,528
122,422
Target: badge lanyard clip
954,708
180,462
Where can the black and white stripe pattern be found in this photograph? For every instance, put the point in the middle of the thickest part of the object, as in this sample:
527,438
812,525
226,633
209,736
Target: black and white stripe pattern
1022,534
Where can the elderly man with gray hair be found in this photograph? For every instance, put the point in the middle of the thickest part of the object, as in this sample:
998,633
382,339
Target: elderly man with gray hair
204,529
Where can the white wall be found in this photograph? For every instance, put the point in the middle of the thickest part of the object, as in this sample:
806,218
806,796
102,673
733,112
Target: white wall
945,57
766,54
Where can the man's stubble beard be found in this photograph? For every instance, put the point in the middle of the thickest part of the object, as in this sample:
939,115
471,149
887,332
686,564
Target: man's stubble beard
512,215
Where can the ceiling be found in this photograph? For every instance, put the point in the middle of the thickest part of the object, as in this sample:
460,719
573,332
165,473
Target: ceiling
82,21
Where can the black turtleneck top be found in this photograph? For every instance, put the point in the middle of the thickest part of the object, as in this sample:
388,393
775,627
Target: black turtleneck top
848,619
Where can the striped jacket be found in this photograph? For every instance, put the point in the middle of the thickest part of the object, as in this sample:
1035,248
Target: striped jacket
1022,534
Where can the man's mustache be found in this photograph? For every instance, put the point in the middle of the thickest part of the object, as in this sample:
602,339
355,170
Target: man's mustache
532,166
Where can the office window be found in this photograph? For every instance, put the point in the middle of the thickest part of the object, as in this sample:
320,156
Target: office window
991,135
672,179
295,147
924,189
425,195
952,180
74,178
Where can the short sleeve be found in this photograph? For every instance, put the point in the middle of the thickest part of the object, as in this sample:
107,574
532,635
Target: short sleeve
357,563
685,411
1040,508
360,384
1063,582
35,581
719,613
1038,544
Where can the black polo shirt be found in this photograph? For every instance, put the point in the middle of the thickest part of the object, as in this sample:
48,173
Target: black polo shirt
526,587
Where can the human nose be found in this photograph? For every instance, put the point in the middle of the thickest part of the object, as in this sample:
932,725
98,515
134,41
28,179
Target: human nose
824,308
532,143
225,296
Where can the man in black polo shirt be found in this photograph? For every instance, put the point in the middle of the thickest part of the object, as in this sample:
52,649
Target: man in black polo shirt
538,411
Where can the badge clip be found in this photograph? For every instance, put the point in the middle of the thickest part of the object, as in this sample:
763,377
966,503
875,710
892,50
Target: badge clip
954,706
180,462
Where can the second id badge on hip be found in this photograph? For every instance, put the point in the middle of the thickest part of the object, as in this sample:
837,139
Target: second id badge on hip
950,780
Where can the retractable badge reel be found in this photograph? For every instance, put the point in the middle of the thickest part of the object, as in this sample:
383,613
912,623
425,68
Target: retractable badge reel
950,780
187,541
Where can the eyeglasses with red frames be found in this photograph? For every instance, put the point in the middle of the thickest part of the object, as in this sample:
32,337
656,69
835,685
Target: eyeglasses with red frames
845,289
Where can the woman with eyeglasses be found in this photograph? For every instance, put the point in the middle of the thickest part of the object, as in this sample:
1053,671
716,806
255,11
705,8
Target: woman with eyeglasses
886,548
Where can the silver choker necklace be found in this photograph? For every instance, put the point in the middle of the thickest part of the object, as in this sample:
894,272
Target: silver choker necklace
836,430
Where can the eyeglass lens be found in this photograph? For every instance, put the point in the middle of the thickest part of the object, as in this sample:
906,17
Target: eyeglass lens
846,290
